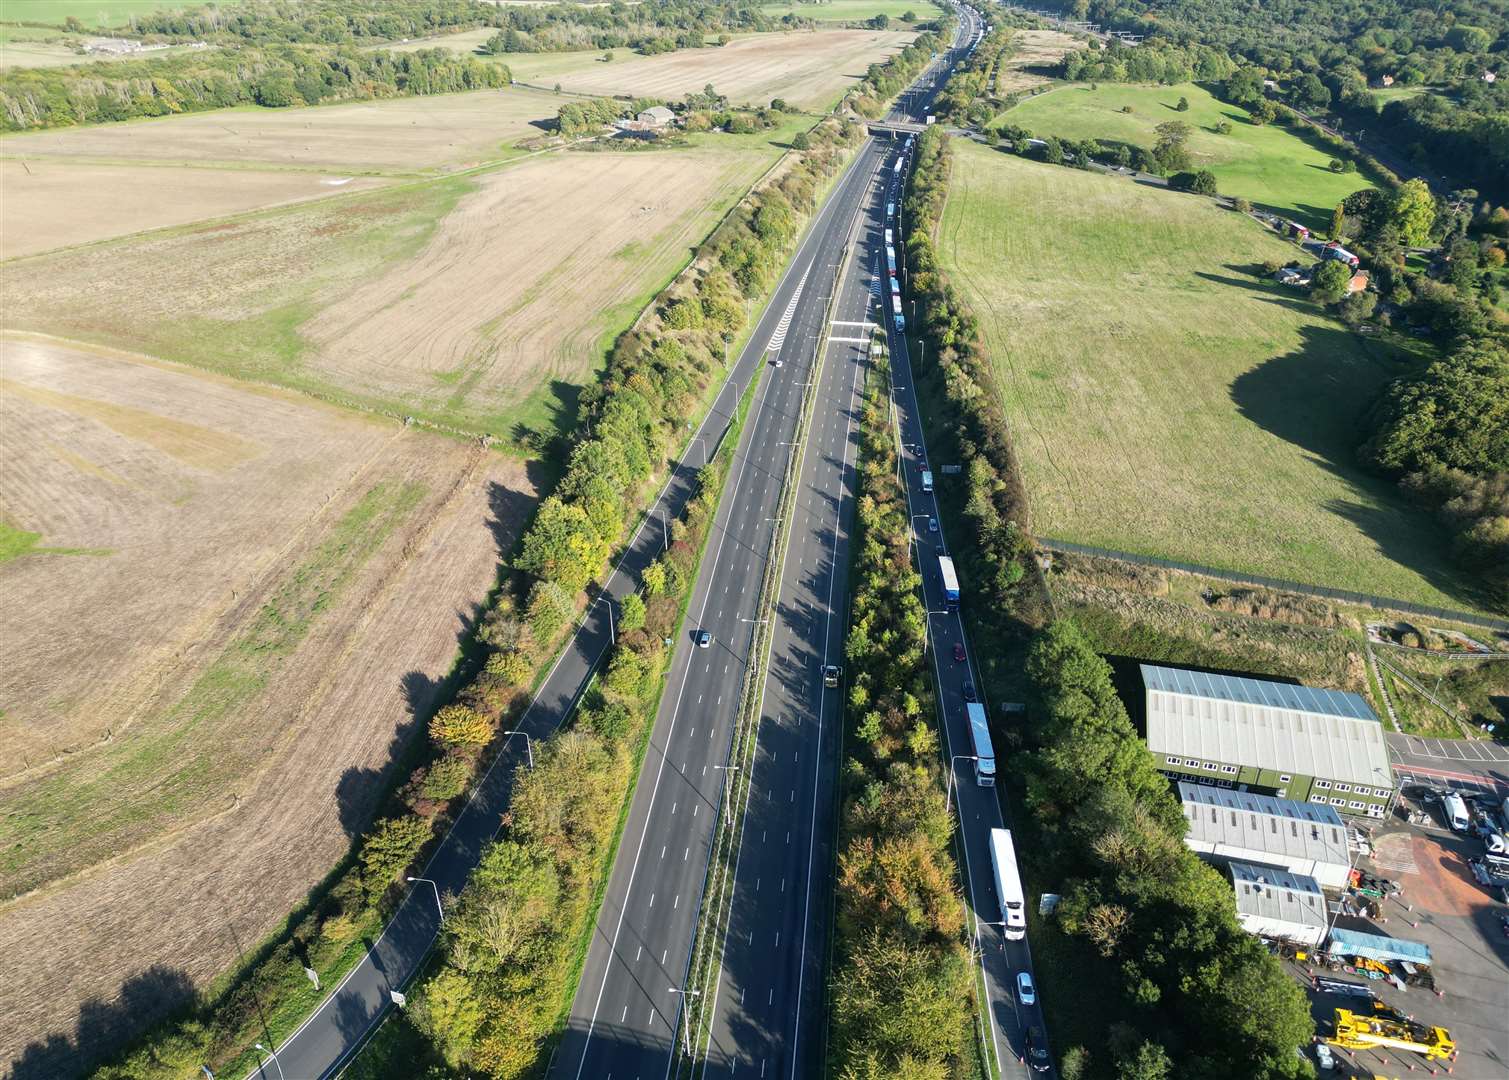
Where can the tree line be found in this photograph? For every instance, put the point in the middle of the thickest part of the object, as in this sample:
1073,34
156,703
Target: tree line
884,81
275,77
1201,991
900,986
654,26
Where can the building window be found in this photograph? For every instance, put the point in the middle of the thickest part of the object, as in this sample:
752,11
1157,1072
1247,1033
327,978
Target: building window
1383,793
1191,763
1318,798
1171,761
1343,787
1356,804
1284,778
1338,802
1322,785
1211,766
1228,769
1375,811
1282,793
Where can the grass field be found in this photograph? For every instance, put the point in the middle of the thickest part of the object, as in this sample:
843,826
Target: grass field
855,10
94,14
810,69
1272,166
1164,400
1036,52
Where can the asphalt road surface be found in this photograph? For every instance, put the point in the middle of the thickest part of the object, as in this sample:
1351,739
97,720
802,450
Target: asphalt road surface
1470,764
767,1006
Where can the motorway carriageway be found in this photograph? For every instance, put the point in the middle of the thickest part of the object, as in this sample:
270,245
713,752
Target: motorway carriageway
768,1001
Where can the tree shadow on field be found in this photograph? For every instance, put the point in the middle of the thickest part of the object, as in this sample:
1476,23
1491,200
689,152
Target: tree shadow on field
1271,292
1316,397
559,401
102,1025
360,789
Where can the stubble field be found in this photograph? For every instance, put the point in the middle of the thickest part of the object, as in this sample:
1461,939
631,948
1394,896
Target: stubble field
258,594
459,301
1166,402
810,69
1036,51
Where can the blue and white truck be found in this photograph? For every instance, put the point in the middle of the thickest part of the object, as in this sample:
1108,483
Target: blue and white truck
979,734
950,581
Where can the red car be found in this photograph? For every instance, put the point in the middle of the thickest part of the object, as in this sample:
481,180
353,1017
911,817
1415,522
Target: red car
958,654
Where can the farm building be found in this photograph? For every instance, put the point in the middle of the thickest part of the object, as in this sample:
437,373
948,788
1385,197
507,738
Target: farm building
1277,904
1281,739
1238,826
1358,282
658,116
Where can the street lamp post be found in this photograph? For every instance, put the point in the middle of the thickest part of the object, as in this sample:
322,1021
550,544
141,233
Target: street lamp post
275,1060
528,749
686,1016
432,884
612,634
952,765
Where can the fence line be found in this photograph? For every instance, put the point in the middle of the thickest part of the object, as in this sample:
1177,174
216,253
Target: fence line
1278,583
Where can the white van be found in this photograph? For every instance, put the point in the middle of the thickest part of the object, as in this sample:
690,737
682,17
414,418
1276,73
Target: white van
1454,810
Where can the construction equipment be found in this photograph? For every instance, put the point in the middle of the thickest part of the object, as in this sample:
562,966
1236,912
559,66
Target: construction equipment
1388,1028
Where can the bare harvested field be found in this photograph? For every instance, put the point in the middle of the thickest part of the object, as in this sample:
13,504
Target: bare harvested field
1037,51
52,203
456,301
810,69
249,595
404,135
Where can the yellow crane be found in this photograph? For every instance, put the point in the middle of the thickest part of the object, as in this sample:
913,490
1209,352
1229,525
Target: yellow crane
1357,1032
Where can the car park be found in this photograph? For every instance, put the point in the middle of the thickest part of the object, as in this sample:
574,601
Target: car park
1024,988
704,639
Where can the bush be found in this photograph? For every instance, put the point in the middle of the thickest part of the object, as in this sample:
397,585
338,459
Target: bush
389,849
510,668
459,725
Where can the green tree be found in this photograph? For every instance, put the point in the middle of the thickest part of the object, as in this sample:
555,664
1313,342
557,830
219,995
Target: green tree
1358,307
389,849
460,725
1413,212
550,608
1183,105
1170,151
562,546
1329,282
447,1010
511,668
631,612
1149,1062
1338,221
1456,414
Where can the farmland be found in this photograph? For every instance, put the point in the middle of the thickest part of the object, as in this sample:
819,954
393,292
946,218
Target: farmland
810,69
1164,400
854,10
1270,165
457,301
1035,52
305,573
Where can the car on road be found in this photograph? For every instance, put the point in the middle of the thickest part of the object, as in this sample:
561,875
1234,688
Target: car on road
969,692
831,674
958,654
1024,988
932,524
1037,1049
704,639
778,362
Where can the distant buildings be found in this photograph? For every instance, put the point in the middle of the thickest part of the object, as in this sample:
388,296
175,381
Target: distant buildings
658,116
1271,738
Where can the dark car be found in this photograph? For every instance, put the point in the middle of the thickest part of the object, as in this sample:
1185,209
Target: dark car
969,692
1037,1049
958,654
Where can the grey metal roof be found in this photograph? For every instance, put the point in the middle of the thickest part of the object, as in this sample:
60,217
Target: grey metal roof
1277,894
1290,729
1280,827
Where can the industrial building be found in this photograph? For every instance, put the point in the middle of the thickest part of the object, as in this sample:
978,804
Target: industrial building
1292,742
1226,825
1279,905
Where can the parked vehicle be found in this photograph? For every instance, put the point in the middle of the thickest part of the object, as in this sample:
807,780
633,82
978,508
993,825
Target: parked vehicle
1454,810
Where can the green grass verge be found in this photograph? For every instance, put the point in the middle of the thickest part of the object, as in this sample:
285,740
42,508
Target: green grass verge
1277,168
1165,399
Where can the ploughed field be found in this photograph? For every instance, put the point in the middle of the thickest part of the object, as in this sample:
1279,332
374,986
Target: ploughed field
1163,399
234,601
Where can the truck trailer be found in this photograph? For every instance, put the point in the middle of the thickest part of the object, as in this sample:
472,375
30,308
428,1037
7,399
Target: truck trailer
1008,885
950,580
979,734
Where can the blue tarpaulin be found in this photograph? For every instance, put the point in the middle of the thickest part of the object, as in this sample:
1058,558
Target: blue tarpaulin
1376,947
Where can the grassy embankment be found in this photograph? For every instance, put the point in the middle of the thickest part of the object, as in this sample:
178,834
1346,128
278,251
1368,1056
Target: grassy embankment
1167,400
1275,167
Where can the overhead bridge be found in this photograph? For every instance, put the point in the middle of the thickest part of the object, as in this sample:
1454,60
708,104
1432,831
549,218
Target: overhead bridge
894,128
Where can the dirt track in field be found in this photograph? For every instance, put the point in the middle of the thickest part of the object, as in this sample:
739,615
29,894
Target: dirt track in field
810,69
206,494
